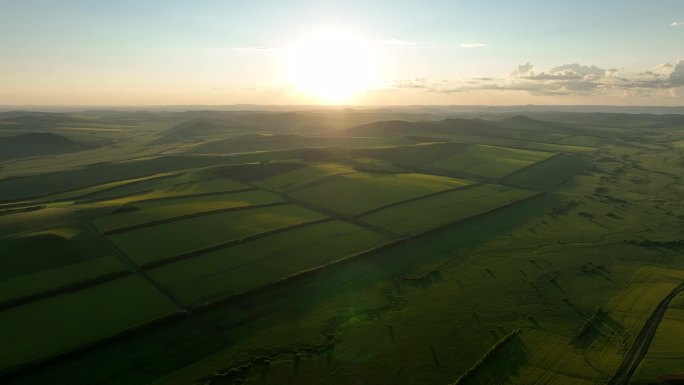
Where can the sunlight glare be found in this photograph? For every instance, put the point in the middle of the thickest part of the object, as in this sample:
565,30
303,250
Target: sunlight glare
332,65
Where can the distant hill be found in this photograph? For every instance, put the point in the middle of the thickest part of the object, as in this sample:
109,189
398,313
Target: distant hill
203,124
226,124
37,144
38,120
446,126
197,130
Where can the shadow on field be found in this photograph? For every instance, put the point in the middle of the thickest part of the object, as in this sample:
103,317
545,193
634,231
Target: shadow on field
601,328
504,366
423,281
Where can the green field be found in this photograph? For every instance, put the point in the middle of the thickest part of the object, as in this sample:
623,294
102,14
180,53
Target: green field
341,246
42,281
80,317
113,188
549,173
581,140
490,161
429,213
666,354
292,180
257,263
48,249
354,194
144,212
181,236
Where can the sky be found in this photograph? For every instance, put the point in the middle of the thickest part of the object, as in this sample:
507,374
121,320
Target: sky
380,52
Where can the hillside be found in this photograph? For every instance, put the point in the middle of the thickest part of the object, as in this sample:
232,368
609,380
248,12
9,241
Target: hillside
37,144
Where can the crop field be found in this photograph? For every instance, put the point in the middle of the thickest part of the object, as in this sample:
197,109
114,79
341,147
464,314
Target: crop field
257,263
417,155
52,279
490,161
549,173
81,317
25,253
143,212
665,357
296,179
185,235
42,185
353,194
105,188
580,140
425,214
183,185
340,247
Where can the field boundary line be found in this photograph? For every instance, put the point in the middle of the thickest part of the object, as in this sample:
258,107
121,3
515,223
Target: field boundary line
186,196
64,191
136,269
111,197
478,214
294,276
233,242
143,225
319,181
554,156
140,180
64,289
409,200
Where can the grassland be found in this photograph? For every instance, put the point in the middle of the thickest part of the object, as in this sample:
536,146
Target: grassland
425,214
548,174
489,161
353,194
48,249
80,317
257,263
143,212
53,279
296,179
354,263
194,233
665,358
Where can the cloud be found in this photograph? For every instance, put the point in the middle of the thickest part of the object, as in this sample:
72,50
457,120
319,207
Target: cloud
677,75
677,24
398,42
411,83
567,79
473,45
663,69
522,70
566,72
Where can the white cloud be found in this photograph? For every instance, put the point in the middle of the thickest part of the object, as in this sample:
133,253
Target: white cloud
473,45
663,69
665,80
567,72
523,70
677,75
677,24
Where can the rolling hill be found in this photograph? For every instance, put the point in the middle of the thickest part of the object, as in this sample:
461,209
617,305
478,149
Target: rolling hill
37,144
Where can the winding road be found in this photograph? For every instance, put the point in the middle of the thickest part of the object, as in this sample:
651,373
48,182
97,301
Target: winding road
643,340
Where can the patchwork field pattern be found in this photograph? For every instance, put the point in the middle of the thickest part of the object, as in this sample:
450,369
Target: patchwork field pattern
435,250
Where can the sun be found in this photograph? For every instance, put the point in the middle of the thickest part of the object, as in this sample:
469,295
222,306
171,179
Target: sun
332,65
